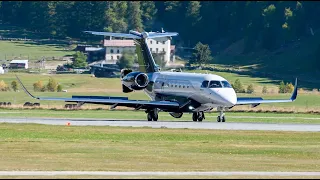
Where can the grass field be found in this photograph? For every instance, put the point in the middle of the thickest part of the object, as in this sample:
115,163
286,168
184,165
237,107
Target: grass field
30,50
163,116
84,84
43,147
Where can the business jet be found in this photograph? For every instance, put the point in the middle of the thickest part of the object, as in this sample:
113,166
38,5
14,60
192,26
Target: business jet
172,92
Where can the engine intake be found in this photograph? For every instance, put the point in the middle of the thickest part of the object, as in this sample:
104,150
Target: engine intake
135,80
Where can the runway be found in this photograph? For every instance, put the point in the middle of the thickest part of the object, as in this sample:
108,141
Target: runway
108,173
168,124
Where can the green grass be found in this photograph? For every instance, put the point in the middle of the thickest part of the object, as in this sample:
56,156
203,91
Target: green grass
163,116
31,51
43,147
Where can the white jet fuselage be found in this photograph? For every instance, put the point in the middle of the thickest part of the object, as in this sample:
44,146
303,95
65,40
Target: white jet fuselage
190,85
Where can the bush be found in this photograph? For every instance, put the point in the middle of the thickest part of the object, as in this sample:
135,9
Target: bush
4,86
38,86
289,88
264,90
52,85
237,86
282,87
59,88
250,89
14,85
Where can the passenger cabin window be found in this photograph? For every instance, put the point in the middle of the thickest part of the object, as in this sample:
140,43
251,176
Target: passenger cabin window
226,84
215,84
204,84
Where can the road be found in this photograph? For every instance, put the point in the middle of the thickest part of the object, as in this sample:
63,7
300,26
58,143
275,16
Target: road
168,124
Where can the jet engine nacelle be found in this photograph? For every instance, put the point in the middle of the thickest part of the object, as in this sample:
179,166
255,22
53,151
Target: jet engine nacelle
135,80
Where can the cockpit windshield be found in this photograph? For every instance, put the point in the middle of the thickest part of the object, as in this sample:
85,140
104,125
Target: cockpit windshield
215,84
226,84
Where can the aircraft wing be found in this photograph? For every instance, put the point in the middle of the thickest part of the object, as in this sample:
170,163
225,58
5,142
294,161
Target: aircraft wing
124,35
255,101
114,101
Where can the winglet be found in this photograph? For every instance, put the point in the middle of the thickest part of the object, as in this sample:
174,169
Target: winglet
295,91
25,89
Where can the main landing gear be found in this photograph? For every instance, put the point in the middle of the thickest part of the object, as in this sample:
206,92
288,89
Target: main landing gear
152,114
221,117
198,116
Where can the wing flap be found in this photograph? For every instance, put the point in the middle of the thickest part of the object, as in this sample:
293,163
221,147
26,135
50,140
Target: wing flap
258,100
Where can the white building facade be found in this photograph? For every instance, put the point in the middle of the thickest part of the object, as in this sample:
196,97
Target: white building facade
115,48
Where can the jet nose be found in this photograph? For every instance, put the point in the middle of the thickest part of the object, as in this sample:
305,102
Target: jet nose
229,97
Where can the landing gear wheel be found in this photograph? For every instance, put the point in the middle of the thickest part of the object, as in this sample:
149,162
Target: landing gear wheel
198,116
223,119
152,115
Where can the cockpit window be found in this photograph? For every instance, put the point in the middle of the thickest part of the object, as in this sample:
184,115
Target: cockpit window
204,84
215,84
226,84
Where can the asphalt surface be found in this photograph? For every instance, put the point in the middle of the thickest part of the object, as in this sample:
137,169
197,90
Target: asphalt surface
168,124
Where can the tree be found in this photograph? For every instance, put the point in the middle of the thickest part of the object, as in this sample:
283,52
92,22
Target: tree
14,85
202,54
126,60
237,86
264,90
289,88
52,85
250,89
282,87
59,88
38,86
4,86
80,60
159,59
134,16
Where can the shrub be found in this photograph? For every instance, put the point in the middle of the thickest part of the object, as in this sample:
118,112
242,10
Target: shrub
14,85
250,89
264,90
38,86
52,85
289,88
237,86
4,86
282,87
59,88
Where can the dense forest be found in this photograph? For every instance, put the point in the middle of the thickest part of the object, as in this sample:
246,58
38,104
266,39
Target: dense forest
267,24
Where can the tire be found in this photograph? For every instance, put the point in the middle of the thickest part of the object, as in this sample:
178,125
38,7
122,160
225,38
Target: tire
149,117
223,119
9,104
1,103
195,116
4,104
200,116
36,104
218,119
26,104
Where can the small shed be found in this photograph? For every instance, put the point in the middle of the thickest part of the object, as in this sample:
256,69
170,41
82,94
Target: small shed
19,64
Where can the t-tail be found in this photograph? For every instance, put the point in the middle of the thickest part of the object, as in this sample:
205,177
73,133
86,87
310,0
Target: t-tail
145,58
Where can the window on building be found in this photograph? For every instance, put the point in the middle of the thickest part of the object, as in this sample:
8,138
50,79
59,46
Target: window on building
162,49
150,41
111,51
156,49
157,42
118,57
111,57
163,42
118,51
150,49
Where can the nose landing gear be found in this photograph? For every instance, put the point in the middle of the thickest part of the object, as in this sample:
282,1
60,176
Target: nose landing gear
198,116
221,117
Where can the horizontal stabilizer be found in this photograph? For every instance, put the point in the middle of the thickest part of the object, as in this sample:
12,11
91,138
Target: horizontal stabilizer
124,35
134,34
